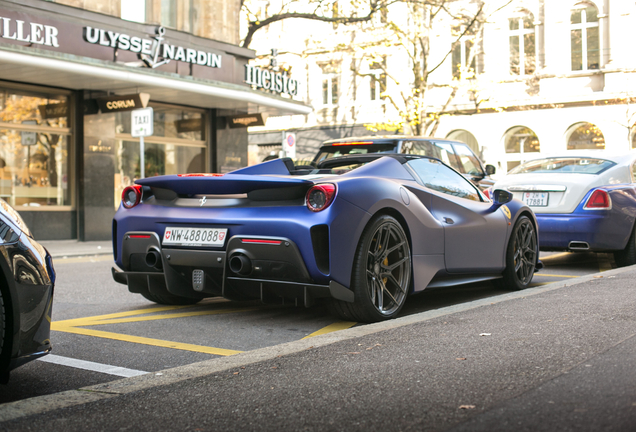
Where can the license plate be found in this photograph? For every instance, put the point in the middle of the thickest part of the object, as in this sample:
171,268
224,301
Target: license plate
535,199
180,236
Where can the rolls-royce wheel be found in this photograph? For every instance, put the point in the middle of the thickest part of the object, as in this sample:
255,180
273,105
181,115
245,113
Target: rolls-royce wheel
521,256
381,274
627,256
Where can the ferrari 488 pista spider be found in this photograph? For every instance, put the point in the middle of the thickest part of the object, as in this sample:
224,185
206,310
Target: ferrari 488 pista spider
362,232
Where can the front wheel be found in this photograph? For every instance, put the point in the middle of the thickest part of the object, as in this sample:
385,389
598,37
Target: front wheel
381,274
521,256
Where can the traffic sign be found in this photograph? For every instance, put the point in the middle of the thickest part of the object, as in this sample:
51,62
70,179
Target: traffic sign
141,123
289,144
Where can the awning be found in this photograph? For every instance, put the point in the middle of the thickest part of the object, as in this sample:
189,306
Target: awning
65,71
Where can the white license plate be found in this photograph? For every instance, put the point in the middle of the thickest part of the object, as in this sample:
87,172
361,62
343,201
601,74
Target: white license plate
535,199
180,236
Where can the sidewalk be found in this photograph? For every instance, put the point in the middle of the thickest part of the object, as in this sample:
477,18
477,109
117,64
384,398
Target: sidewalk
74,248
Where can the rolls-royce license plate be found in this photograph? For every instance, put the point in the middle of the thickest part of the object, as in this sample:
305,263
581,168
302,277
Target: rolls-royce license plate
535,199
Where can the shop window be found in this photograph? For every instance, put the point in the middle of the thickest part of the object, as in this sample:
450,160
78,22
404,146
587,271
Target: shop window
522,44
585,136
34,149
177,146
584,38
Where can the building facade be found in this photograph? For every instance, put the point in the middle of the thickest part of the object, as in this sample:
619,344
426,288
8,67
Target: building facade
546,78
71,73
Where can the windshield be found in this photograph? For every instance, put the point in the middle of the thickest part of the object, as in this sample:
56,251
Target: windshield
328,152
564,165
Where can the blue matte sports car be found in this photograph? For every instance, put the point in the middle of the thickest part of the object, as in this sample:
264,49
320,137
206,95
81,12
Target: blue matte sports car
359,232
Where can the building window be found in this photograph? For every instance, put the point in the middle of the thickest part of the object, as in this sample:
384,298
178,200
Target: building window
329,84
177,146
522,45
585,136
463,59
377,73
34,149
584,37
522,140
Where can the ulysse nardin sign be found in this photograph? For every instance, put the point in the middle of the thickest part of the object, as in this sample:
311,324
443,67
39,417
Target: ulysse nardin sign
155,52
269,80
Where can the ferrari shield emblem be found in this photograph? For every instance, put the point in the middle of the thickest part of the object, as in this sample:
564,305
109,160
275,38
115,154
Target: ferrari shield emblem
506,211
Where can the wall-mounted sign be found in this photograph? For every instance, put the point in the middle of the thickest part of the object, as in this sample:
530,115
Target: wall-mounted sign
246,120
189,125
50,111
123,102
34,33
153,53
269,80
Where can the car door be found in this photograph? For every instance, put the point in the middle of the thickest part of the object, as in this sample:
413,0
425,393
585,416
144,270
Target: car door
471,166
475,233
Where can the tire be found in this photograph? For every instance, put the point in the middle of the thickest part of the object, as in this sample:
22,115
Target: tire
521,256
381,274
627,256
3,325
167,299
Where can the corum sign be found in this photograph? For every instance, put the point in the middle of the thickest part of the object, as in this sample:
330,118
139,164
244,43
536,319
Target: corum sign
268,80
155,52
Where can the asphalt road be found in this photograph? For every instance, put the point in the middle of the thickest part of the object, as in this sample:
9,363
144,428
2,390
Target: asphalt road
554,357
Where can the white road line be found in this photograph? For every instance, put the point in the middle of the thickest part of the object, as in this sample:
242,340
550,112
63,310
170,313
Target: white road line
91,366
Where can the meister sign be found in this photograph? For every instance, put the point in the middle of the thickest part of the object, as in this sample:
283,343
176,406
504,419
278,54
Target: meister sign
269,80
155,52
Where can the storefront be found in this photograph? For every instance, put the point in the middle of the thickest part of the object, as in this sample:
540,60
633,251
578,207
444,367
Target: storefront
69,80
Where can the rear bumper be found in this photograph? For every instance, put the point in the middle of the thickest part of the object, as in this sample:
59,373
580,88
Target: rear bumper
266,268
601,231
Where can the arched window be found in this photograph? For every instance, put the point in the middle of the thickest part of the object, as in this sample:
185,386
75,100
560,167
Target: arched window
585,136
584,37
522,44
465,137
521,139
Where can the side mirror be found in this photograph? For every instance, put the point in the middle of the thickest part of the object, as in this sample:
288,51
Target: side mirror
501,197
490,169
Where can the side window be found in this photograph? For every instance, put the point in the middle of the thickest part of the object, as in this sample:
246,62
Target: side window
420,148
469,162
439,177
447,154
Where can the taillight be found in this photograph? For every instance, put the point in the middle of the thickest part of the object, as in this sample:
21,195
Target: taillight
320,196
599,200
131,196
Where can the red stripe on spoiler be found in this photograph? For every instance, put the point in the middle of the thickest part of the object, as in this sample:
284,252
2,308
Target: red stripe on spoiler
261,241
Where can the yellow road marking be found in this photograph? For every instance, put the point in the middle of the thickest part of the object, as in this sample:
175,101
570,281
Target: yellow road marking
166,316
144,340
560,276
332,328
81,321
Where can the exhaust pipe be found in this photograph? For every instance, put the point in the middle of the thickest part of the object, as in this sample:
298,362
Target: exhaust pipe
241,264
578,245
153,259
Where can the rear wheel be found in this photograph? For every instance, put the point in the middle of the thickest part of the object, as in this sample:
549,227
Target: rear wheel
2,324
627,256
381,273
521,256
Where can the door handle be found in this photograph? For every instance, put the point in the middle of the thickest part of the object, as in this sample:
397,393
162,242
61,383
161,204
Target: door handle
449,220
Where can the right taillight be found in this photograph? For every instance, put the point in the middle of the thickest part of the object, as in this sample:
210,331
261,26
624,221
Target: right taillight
131,196
320,196
599,200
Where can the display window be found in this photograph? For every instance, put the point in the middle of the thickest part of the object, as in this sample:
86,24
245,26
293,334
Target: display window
34,149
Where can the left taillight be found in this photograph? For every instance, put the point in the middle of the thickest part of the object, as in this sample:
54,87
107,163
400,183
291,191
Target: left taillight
599,200
320,196
131,196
